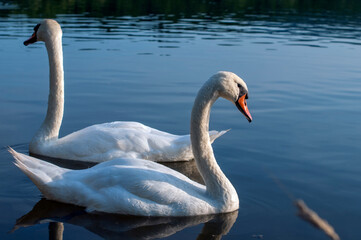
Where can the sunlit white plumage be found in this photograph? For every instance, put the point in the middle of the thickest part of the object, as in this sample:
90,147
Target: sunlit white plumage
139,187
100,142
125,186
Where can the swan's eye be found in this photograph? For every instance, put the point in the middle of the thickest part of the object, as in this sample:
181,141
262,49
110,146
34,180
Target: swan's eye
242,91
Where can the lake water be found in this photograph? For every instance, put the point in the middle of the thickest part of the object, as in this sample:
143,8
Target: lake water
303,70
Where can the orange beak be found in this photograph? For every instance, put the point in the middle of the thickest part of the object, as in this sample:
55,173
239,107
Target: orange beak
242,106
31,40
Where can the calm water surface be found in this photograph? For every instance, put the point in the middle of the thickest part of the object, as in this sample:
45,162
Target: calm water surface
303,74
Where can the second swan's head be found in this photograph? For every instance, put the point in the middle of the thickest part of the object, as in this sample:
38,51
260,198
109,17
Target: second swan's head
47,29
231,87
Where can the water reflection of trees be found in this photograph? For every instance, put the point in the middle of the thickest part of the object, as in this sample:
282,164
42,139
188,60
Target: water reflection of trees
175,9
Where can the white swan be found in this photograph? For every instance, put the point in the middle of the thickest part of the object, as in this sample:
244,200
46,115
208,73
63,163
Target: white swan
145,188
100,142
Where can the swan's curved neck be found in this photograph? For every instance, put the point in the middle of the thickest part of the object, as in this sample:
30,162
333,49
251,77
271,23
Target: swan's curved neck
49,130
217,184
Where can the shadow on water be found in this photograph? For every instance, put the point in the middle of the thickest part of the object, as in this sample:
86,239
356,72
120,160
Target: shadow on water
112,226
64,163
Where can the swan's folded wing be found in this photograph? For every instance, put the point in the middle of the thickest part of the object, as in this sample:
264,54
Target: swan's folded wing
135,187
108,141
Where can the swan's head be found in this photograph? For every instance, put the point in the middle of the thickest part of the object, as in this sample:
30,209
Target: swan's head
47,29
233,88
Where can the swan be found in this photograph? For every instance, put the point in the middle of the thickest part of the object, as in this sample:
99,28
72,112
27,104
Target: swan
99,142
145,188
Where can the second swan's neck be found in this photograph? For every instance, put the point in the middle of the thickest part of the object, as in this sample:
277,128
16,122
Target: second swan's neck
49,129
217,184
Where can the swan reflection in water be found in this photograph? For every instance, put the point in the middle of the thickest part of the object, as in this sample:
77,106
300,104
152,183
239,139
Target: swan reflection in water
113,226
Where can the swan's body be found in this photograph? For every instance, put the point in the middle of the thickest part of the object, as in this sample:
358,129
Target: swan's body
124,186
100,142
139,187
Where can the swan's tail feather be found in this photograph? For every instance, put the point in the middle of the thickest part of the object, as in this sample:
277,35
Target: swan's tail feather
39,172
213,135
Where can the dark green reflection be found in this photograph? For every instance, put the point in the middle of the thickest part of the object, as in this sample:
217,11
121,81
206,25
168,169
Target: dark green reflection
175,9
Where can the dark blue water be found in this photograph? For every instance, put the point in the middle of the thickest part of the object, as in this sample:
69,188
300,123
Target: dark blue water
303,75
